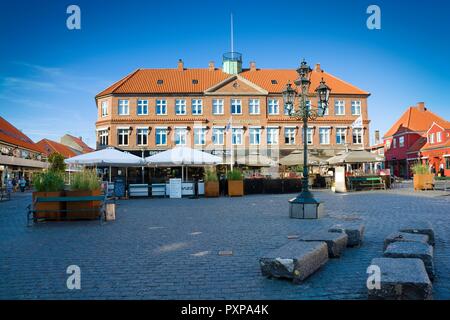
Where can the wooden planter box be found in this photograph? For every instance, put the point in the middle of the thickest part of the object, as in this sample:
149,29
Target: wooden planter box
49,206
235,188
72,207
423,181
211,189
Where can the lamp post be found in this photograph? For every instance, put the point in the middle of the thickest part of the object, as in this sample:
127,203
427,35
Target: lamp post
305,206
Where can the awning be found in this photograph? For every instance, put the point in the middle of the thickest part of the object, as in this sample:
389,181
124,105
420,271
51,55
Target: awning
295,158
107,157
180,156
355,156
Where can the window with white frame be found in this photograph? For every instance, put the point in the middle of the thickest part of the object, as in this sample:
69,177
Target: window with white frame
401,141
218,136
236,106
141,136
438,137
253,106
309,135
180,136
236,135
339,107
272,135
394,143
142,107
104,108
103,135
122,136
273,106
358,136
356,107
340,135
255,136
323,106
289,135
388,144
124,107
217,105
161,136
197,107
180,107
431,138
199,136
324,135
161,107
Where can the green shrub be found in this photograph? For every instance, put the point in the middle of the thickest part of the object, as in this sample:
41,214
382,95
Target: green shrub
234,175
86,180
56,162
49,181
419,168
210,176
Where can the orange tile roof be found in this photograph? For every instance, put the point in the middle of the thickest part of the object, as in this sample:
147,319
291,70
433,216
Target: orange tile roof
51,146
81,143
414,119
11,135
180,81
417,145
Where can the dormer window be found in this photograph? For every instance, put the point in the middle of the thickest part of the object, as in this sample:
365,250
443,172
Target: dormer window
438,137
431,138
194,81
159,81
274,81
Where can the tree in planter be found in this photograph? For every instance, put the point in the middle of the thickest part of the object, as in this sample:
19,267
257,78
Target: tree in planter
56,162
211,184
85,183
423,179
48,184
235,183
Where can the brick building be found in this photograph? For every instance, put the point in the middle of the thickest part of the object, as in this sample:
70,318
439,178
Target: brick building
404,141
436,150
214,109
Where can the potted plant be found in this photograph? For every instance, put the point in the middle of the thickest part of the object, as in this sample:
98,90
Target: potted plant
211,184
48,184
235,183
83,184
423,179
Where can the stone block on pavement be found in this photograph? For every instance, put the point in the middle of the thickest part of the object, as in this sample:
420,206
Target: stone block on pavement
295,260
404,237
417,250
401,279
421,228
336,241
354,231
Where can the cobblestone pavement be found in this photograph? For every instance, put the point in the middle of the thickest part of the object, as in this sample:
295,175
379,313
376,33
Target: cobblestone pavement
168,249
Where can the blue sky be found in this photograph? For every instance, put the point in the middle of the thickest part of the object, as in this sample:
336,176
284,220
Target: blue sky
49,75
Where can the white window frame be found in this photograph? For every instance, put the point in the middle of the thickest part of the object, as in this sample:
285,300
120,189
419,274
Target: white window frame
401,141
197,107
289,132
255,136
218,106
235,103
180,131
143,133
341,131
431,138
143,104
309,134
361,136
273,134
122,105
273,107
104,108
338,104
356,108
104,137
438,137
160,104
122,132
218,134
161,132
199,133
180,107
237,132
254,107
324,139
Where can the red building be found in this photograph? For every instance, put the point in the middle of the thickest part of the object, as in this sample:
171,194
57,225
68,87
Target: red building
436,151
404,141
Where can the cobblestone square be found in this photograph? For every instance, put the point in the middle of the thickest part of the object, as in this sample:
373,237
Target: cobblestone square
169,249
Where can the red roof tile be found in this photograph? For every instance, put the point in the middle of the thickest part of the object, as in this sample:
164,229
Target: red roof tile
11,135
417,145
51,146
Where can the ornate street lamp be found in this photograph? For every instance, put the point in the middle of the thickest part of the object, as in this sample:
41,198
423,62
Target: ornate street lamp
305,206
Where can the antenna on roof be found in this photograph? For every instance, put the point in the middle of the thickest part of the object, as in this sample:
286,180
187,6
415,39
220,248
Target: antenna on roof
232,44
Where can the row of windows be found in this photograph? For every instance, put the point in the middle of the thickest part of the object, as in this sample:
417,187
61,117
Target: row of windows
237,136
273,107
438,137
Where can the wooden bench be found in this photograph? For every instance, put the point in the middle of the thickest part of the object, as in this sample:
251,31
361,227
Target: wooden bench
101,209
366,182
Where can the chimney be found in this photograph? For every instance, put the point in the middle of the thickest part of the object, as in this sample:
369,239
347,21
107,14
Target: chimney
211,66
421,106
317,67
252,66
377,136
180,65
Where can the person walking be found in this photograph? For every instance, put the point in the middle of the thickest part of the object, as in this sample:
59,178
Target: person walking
22,184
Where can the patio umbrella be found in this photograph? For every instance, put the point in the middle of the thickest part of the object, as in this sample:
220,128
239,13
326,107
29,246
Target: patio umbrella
296,158
256,160
355,156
